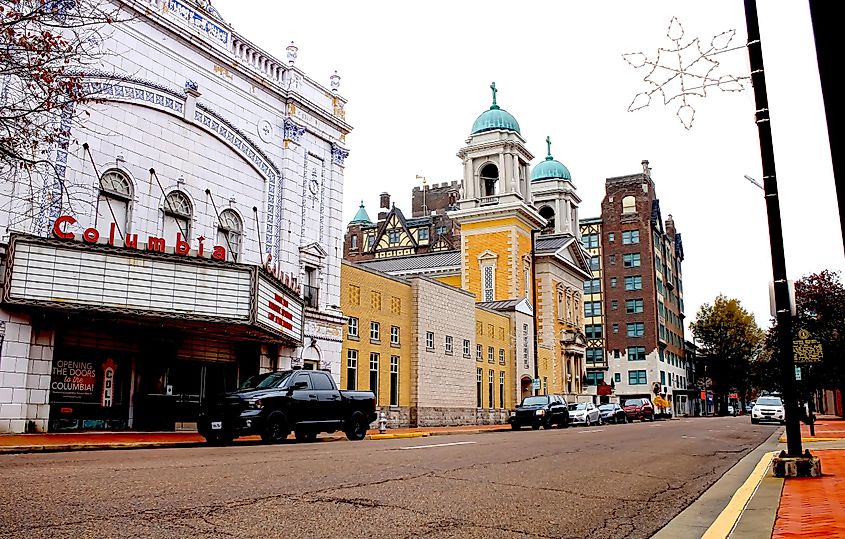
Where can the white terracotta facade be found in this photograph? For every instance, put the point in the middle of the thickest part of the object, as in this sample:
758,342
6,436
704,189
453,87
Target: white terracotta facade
230,128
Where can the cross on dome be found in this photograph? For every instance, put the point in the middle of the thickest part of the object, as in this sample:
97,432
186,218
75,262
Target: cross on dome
493,88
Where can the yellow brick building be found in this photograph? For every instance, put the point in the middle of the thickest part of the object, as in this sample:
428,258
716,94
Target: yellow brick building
377,342
420,363
494,362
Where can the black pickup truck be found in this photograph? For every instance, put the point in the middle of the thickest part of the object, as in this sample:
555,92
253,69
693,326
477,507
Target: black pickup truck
275,403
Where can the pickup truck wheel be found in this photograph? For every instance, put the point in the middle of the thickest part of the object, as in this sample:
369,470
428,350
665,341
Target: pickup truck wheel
514,426
357,427
535,426
565,423
276,429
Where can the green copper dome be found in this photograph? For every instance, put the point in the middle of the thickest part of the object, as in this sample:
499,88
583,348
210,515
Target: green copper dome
550,168
494,118
361,218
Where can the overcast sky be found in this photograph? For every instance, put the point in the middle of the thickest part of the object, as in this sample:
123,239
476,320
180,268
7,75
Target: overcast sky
416,75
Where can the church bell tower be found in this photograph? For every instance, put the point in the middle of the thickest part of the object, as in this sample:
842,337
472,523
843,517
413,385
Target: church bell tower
496,211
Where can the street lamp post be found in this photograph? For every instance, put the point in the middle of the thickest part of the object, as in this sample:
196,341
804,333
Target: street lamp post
781,287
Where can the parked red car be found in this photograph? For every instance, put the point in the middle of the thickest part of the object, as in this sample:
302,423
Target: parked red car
641,409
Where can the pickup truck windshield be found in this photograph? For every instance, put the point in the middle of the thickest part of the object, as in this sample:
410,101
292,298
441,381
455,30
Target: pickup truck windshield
267,380
535,401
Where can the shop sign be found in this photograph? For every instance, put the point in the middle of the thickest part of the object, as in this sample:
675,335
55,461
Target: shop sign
130,241
277,310
525,359
107,397
73,381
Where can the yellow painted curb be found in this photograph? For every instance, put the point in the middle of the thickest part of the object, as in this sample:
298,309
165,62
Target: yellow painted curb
725,522
782,439
397,435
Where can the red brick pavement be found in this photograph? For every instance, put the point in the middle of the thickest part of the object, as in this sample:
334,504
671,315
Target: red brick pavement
814,507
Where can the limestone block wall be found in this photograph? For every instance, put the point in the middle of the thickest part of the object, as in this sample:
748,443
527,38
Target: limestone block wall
442,382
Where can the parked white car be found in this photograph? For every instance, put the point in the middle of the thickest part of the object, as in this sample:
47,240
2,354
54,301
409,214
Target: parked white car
768,409
584,413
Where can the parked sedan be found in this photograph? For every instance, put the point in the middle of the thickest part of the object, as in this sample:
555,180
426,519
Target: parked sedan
641,409
584,413
540,411
612,413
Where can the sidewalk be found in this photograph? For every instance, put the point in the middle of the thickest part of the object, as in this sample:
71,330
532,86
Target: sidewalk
828,428
748,503
801,507
85,441
814,507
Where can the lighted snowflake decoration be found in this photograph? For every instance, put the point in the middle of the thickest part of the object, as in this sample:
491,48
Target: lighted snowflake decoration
685,71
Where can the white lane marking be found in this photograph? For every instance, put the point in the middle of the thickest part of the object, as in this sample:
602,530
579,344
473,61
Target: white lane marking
591,430
435,445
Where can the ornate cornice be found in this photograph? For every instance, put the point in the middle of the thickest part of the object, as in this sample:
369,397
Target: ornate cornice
108,86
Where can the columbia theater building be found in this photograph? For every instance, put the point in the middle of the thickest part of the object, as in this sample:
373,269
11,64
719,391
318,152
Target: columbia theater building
190,239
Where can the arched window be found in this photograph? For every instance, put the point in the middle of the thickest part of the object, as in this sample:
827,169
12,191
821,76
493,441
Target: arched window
549,215
177,216
489,179
113,203
629,204
230,228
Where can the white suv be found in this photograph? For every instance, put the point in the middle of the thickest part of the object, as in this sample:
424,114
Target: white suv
768,409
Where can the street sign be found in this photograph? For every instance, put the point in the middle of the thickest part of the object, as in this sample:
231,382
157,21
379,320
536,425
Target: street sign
772,309
805,349
798,373
536,383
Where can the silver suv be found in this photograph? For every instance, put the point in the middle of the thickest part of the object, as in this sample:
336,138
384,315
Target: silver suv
768,408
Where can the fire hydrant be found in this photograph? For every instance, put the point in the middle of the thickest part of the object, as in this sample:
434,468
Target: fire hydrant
382,423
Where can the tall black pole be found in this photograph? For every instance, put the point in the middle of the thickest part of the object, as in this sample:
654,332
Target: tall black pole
826,32
770,187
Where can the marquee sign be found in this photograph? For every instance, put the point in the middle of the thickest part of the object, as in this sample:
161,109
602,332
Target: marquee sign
276,310
83,276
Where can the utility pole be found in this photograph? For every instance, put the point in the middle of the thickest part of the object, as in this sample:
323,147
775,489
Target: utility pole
770,186
826,34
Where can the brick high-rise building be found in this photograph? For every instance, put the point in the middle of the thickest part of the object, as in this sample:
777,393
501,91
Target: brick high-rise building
639,262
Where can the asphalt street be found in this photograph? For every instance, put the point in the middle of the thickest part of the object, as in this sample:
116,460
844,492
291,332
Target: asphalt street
597,482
